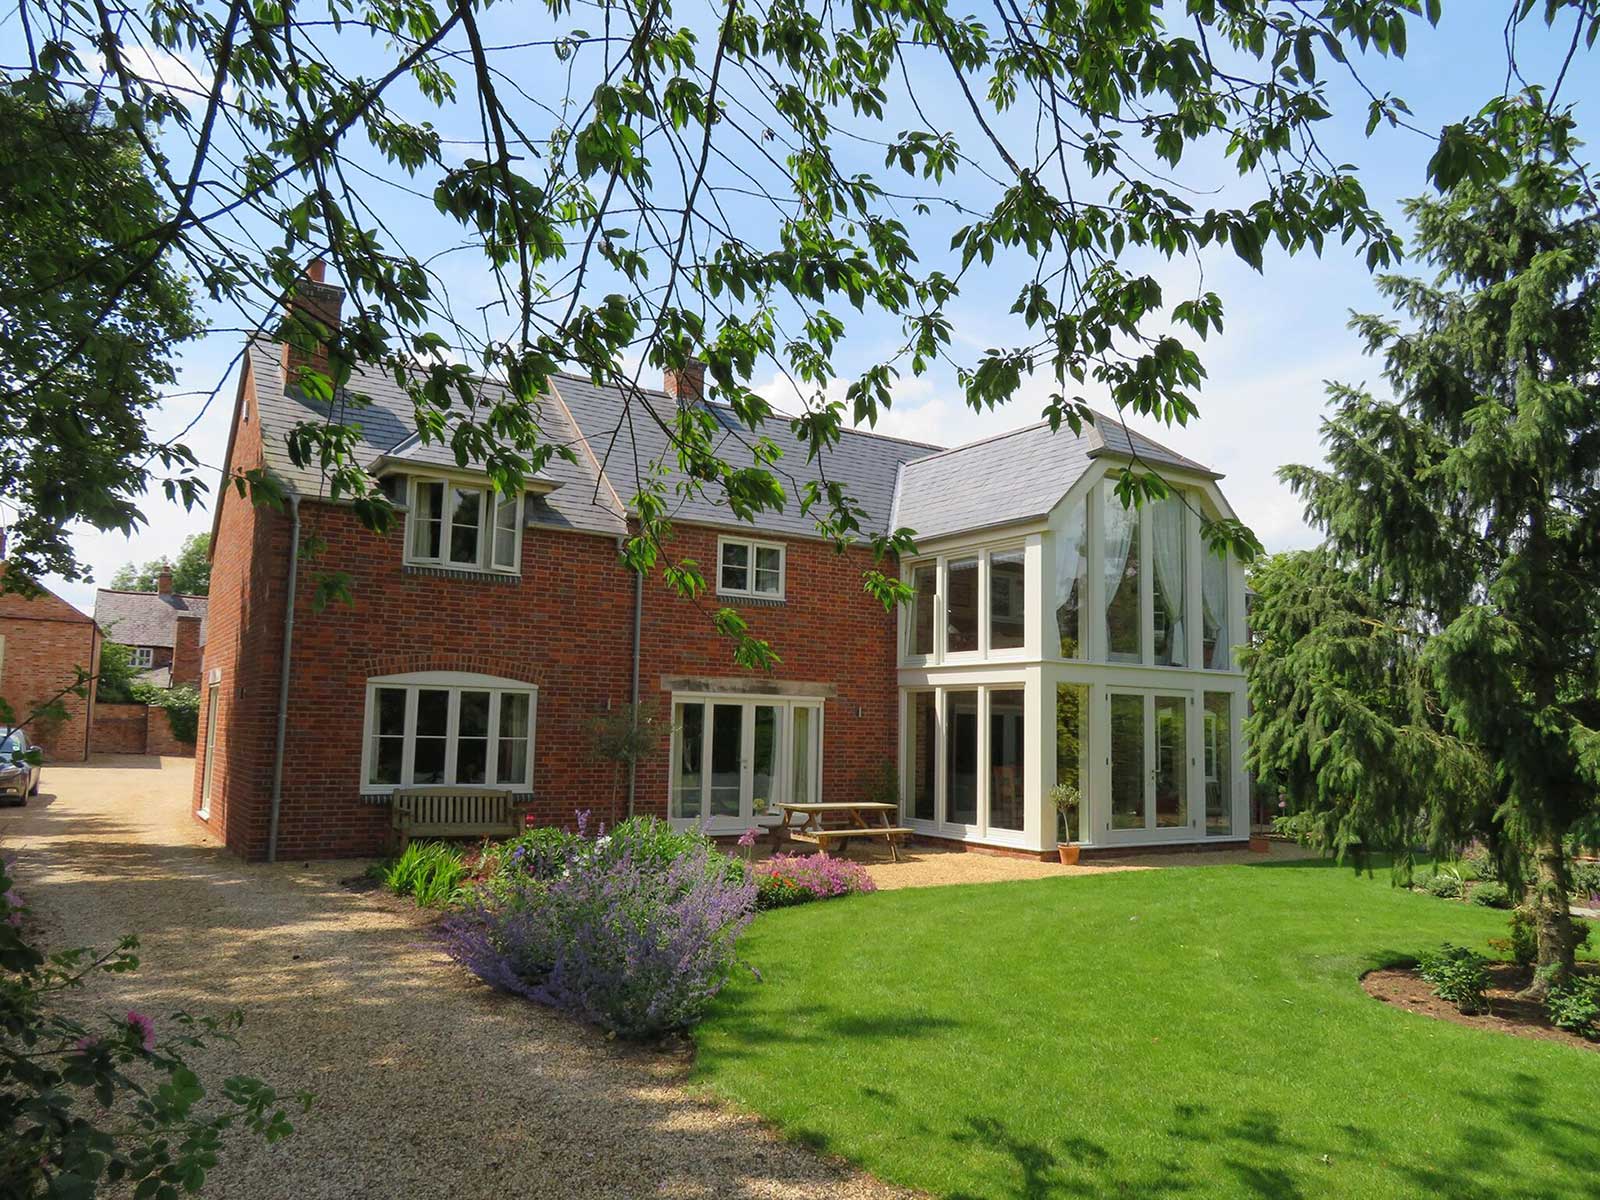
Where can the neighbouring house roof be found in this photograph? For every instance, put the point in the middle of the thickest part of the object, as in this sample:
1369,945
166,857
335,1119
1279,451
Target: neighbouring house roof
160,677
578,499
618,436
146,618
1015,477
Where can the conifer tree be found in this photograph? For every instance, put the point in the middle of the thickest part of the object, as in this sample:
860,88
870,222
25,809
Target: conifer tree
1471,499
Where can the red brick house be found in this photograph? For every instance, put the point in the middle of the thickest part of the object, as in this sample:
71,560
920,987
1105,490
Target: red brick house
488,633
44,641
163,630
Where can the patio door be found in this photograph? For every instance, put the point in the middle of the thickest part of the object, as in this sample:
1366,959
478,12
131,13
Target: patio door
1147,763
733,759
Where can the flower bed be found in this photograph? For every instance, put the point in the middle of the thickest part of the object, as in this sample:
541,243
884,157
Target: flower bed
786,879
635,932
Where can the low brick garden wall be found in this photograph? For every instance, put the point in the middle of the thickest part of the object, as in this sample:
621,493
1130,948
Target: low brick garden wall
135,729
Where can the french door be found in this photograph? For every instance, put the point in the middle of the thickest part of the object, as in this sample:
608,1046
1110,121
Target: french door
735,758
1148,761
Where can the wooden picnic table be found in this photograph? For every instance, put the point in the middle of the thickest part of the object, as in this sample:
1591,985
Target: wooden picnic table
842,821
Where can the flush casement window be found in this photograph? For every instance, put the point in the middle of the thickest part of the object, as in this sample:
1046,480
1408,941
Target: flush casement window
464,526
750,568
736,757
445,727
141,657
969,604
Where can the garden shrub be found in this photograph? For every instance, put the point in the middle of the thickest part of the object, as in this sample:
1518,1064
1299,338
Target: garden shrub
181,704
1491,895
431,873
542,853
1575,1005
86,1103
786,879
635,946
655,844
1445,884
1458,975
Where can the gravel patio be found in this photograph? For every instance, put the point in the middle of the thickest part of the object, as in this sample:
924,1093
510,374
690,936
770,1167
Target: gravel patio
427,1083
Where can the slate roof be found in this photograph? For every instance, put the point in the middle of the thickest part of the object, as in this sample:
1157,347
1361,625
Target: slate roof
145,618
898,483
388,428
1013,477
625,440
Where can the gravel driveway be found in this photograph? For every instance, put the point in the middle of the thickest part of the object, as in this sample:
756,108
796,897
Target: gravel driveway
428,1084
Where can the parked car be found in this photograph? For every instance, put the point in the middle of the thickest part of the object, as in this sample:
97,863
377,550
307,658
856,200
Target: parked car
19,778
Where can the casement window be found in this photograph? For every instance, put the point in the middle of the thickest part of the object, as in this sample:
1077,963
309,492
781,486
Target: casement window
141,658
446,727
749,568
463,526
969,604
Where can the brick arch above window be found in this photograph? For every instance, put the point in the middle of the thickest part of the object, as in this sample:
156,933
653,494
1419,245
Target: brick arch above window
409,662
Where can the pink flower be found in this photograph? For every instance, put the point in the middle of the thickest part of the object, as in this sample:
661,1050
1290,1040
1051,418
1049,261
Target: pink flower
87,1044
144,1027
748,837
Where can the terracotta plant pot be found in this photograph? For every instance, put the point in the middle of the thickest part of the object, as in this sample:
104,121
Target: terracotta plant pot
1068,853
1259,843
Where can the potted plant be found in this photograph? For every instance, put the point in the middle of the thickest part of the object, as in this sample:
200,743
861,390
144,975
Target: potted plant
1064,796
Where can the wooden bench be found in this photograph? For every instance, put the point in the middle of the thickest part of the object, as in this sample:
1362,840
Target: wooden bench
892,834
454,812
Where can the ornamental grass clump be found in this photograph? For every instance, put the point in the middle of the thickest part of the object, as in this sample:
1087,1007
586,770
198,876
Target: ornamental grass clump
786,879
635,946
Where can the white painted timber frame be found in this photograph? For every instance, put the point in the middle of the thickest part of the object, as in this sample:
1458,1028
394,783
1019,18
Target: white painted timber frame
454,682
1038,668
490,502
784,765
751,546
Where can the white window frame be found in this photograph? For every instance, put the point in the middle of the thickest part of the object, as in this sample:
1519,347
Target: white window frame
454,682
141,658
751,545
490,503
783,768
941,653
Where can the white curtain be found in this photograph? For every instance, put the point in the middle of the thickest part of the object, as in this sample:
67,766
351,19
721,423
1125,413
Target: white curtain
1167,538
1120,524
1214,599
1069,561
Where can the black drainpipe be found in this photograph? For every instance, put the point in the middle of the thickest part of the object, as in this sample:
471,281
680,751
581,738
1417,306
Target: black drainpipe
283,678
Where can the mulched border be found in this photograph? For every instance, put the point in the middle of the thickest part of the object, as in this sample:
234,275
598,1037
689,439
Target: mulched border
1404,988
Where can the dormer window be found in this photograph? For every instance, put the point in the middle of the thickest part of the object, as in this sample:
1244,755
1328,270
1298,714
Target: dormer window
750,568
462,526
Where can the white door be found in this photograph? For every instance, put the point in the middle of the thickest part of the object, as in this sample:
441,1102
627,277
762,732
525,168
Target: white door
212,693
735,759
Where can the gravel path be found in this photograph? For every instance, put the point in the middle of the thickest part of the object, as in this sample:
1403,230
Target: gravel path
428,1084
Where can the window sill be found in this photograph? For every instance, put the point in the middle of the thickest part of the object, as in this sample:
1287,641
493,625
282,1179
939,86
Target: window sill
743,599
471,573
385,797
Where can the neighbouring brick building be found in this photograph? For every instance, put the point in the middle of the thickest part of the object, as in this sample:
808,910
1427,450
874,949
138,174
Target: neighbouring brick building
488,633
163,629
44,641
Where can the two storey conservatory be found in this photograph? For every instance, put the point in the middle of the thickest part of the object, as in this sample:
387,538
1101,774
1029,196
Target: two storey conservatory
1059,636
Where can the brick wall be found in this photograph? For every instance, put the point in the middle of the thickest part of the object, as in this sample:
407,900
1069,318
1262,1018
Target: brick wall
38,657
245,623
119,728
159,738
827,631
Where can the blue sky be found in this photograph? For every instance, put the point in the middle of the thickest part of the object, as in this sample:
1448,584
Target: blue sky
1285,329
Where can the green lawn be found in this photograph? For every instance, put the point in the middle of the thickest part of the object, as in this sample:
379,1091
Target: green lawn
1195,1032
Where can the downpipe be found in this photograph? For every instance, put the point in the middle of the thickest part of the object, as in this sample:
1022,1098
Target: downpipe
283,679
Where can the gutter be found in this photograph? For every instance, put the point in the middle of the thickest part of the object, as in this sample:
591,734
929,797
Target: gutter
283,678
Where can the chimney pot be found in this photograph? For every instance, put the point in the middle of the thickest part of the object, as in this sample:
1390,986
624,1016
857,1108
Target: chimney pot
164,581
686,384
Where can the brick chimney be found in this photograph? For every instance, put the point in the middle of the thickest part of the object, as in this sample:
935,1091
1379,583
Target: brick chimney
312,312
687,384
186,651
164,581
